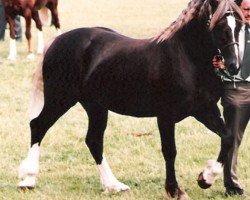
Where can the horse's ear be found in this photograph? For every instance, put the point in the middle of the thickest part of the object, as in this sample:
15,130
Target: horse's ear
213,4
238,2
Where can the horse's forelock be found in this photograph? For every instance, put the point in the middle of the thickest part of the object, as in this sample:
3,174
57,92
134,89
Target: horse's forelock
223,7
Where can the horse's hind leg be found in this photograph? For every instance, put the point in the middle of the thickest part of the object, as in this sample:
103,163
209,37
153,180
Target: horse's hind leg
52,110
94,140
54,14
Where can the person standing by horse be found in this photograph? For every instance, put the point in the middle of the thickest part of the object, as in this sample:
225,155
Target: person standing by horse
18,27
236,102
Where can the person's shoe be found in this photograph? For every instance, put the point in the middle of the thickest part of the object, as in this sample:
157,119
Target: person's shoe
234,191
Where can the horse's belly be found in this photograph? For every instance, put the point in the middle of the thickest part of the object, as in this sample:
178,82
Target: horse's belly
125,103
134,110
141,106
136,98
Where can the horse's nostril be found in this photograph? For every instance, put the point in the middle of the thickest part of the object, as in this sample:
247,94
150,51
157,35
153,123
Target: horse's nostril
232,69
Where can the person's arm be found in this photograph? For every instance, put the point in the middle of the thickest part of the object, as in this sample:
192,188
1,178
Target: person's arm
218,62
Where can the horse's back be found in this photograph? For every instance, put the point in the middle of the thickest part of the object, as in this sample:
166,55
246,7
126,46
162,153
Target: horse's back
105,66
89,46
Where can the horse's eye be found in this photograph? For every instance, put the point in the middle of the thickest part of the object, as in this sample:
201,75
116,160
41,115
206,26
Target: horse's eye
227,34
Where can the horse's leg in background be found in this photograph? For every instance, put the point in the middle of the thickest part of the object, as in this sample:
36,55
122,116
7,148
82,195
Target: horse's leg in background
12,49
167,133
54,14
97,124
210,116
28,17
40,45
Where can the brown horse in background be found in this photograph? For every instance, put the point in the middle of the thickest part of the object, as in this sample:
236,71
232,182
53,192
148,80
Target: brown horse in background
29,10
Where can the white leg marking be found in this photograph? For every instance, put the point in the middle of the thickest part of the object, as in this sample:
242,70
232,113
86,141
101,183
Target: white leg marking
13,51
29,168
59,32
213,169
40,45
108,180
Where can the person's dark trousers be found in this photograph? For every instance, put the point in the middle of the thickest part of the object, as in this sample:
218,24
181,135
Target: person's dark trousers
236,111
18,28
2,23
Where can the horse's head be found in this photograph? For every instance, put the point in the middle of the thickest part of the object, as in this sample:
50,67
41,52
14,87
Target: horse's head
225,23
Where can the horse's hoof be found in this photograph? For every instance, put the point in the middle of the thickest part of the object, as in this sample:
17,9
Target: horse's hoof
40,52
117,188
178,194
28,183
11,58
202,182
25,188
31,57
182,196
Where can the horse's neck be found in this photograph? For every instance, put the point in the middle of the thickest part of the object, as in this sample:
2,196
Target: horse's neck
196,42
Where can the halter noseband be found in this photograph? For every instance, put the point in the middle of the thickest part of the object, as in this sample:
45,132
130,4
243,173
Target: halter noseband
229,44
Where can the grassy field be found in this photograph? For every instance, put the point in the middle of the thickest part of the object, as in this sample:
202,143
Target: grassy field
67,170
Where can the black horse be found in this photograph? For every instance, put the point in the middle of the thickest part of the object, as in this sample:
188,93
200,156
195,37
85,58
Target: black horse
169,77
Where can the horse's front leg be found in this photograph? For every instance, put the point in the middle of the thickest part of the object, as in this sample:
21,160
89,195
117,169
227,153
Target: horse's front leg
28,16
12,49
97,124
54,14
210,116
40,45
167,133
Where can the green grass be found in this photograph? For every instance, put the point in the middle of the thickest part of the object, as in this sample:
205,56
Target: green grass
67,170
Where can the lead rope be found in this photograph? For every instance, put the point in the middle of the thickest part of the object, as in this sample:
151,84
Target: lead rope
224,72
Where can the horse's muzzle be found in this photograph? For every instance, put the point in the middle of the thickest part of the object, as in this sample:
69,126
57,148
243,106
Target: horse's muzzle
232,69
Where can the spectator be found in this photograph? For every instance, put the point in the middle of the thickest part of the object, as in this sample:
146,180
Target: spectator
236,103
18,27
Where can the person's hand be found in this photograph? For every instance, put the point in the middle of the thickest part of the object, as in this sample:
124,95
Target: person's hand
218,62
